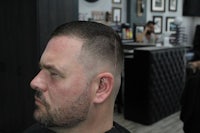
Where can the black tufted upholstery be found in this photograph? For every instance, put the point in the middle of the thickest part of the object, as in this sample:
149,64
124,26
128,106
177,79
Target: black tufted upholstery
154,81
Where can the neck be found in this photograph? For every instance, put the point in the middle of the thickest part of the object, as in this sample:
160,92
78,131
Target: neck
99,120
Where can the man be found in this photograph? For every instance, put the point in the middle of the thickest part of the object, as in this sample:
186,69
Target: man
147,36
79,80
190,100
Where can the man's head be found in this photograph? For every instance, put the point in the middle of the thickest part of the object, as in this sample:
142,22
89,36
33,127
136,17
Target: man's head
80,71
150,25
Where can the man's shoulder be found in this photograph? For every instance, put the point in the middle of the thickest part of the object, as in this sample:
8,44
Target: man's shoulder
37,128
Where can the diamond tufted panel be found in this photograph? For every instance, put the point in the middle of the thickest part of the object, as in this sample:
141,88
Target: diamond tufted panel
154,81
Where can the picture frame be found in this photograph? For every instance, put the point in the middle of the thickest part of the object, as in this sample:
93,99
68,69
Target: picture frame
116,14
116,1
170,25
158,24
158,5
137,30
173,5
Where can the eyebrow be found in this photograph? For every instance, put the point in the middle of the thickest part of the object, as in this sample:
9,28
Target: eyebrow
51,68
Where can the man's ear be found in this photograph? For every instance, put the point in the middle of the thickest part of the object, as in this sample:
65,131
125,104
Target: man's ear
104,89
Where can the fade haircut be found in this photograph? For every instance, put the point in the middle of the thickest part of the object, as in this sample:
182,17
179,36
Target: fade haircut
100,41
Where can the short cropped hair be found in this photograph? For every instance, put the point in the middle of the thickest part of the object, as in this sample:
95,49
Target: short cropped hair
101,41
150,22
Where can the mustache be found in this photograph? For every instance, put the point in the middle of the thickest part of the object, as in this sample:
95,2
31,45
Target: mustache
39,95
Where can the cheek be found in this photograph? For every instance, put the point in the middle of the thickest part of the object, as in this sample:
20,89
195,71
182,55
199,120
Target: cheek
65,91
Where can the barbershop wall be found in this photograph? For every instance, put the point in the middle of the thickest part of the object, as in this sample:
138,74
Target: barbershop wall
129,13
164,14
86,8
188,22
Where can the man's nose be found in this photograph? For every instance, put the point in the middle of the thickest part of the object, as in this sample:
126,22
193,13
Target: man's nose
39,82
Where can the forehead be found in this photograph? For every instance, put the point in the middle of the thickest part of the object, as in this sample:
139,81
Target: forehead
151,25
62,47
64,44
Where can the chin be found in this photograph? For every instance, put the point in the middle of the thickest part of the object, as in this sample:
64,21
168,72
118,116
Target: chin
39,115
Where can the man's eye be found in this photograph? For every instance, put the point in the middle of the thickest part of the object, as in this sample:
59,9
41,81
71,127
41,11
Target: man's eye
53,74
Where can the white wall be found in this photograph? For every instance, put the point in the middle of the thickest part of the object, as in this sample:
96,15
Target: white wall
190,25
87,7
101,5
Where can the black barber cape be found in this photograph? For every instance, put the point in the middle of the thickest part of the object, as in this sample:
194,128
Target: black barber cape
37,128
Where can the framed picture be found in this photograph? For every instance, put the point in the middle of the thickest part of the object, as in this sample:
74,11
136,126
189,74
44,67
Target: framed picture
137,30
158,5
116,1
170,25
116,13
173,5
158,24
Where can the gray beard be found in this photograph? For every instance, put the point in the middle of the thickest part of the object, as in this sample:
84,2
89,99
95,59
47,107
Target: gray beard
62,117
